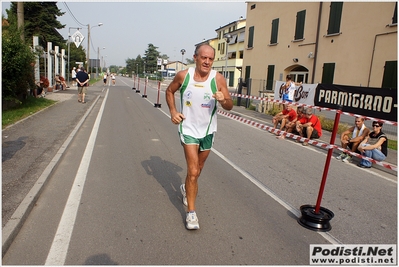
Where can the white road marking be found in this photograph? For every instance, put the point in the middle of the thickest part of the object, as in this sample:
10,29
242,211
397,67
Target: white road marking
59,247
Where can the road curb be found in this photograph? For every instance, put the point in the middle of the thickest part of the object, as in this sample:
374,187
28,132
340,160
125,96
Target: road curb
18,218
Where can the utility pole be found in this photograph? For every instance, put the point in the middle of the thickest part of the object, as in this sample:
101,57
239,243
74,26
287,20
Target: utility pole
20,17
88,48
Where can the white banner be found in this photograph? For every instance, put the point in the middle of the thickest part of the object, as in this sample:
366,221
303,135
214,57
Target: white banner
304,93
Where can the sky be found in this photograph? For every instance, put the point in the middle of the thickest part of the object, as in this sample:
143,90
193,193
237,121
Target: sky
128,27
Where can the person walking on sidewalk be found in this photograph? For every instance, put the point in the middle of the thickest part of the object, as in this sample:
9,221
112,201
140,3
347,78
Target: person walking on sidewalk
83,81
201,88
74,76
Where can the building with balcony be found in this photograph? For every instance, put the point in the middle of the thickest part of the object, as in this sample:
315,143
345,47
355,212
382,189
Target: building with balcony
229,50
347,43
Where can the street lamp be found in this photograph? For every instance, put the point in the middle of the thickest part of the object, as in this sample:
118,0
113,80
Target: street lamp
88,44
182,54
227,37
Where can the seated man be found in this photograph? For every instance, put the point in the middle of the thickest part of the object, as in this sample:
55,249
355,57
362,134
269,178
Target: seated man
374,146
290,126
39,90
312,128
60,82
352,138
288,114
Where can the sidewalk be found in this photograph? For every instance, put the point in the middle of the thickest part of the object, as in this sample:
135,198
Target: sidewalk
30,150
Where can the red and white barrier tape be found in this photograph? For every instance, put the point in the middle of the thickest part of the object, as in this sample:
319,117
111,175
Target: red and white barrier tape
316,107
299,138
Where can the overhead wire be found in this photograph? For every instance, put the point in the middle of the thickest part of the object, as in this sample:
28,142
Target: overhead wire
70,12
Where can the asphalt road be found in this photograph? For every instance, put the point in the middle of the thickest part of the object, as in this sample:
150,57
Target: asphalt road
114,196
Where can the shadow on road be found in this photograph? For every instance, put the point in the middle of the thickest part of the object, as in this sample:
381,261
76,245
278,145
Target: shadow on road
166,174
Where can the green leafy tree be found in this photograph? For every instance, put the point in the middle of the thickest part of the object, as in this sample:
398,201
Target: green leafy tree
76,55
40,20
151,56
17,66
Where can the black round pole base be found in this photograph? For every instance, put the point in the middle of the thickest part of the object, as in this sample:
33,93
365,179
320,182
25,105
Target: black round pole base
157,105
137,91
144,96
134,88
319,222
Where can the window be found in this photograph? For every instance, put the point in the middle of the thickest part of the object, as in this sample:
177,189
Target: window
233,39
334,22
390,78
395,14
241,37
270,77
241,54
222,45
251,36
253,6
273,38
328,73
300,25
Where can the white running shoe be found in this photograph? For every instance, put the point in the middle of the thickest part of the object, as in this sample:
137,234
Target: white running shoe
347,159
341,156
183,192
192,221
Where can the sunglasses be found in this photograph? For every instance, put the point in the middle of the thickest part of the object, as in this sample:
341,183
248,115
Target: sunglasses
376,125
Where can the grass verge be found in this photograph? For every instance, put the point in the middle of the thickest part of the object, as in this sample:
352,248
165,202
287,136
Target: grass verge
28,107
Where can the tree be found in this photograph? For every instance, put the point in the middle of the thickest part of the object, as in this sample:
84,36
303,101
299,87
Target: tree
17,69
40,20
76,55
151,56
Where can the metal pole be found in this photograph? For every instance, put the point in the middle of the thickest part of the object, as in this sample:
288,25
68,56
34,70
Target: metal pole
227,57
98,55
69,48
88,48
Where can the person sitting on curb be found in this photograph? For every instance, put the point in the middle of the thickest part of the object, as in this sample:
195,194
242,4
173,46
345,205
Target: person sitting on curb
312,127
39,90
374,146
288,114
290,126
352,138
59,80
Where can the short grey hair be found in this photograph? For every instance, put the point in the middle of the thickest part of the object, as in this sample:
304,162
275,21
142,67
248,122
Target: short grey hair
201,45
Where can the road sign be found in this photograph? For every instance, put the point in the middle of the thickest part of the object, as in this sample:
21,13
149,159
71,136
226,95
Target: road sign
77,38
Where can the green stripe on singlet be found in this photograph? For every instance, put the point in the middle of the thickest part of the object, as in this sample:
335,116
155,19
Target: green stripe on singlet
183,88
214,89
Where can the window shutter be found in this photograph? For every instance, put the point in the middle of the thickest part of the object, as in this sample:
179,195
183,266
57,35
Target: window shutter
390,78
251,37
328,73
300,25
273,39
334,22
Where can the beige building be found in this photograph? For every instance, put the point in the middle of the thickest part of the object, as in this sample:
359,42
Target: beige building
229,41
347,43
